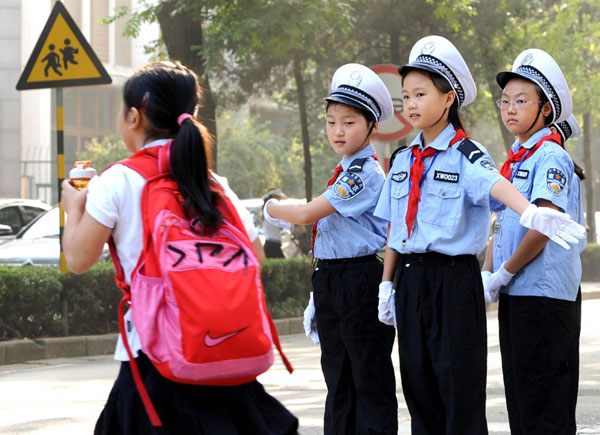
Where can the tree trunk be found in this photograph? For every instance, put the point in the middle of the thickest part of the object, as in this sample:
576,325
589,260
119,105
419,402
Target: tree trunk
180,32
304,126
590,177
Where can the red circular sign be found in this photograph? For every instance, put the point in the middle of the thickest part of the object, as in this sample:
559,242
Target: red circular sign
397,127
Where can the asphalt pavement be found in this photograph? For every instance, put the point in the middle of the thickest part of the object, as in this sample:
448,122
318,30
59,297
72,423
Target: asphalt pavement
65,395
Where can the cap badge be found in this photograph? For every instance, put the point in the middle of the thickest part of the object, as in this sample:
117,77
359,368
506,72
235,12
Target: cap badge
428,48
527,59
355,78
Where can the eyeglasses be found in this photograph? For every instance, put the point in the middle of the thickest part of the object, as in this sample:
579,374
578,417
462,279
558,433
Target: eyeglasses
519,104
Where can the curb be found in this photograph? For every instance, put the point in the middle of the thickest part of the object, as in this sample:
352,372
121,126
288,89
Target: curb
20,351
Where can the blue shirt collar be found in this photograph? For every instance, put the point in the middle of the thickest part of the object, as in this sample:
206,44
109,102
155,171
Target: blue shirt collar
367,151
535,138
440,142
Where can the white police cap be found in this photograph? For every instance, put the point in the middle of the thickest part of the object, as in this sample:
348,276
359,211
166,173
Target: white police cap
568,128
438,55
539,67
358,86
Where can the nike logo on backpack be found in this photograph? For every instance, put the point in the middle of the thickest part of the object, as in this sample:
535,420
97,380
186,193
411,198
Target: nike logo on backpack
214,341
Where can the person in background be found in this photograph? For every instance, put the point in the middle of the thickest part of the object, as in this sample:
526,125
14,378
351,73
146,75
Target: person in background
567,129
272,232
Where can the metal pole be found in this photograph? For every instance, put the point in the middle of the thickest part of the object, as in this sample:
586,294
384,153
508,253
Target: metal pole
60,162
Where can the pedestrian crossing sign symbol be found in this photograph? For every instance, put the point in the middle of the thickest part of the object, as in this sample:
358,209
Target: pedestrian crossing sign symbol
62,57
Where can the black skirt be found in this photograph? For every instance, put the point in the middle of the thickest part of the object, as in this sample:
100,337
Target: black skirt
191,409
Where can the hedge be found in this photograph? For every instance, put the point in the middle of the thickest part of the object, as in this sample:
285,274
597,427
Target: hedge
39,301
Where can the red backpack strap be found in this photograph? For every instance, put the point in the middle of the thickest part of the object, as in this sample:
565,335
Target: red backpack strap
139,383
147,163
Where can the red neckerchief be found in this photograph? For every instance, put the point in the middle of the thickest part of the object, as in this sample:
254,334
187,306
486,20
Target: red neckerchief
416,173
513,157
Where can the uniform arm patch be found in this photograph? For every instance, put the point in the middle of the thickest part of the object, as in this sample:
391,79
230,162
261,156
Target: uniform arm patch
348,186
470,150
556,180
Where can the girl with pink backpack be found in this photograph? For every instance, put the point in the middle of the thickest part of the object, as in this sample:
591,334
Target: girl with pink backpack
159,101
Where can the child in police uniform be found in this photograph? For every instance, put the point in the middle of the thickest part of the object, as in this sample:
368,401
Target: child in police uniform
538,281
355,347
437,200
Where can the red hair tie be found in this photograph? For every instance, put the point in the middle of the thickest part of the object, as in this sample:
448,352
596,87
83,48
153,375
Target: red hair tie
145,100
183,117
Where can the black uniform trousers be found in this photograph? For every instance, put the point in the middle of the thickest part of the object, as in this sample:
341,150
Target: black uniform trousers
574,362
442,341
537,335
356,349
273,249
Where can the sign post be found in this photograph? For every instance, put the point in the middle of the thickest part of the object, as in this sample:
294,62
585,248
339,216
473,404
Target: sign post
61,57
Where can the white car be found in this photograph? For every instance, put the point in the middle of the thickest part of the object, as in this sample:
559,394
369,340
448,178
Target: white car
37,244
16,213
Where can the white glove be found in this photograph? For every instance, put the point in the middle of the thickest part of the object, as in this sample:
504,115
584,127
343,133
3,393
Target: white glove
485,277
557,226
310,321
386,310
491,286
277,222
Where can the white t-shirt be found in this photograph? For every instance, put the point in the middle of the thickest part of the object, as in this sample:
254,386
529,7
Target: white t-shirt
114,200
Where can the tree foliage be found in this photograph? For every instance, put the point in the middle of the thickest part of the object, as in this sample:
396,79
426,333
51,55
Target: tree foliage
105,151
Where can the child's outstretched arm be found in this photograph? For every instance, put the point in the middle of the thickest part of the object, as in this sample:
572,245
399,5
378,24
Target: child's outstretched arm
557,226
83,236
299,214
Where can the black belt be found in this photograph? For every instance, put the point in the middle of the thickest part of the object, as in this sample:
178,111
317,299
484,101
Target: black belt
365,259
433,257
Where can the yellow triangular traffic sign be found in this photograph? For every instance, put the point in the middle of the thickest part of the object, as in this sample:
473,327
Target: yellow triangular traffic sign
62,57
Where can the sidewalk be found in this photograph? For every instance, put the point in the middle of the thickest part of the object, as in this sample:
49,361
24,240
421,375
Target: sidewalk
65,395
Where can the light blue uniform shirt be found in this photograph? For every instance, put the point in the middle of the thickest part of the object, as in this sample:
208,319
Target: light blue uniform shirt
353,231
453,217
547,174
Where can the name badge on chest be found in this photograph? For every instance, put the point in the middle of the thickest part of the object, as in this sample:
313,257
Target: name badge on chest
448,177
522,173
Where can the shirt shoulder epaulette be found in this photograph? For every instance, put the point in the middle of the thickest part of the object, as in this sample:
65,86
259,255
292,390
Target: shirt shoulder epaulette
470,150
357,164
393,156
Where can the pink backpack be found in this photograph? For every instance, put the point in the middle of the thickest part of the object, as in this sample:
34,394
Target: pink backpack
197,301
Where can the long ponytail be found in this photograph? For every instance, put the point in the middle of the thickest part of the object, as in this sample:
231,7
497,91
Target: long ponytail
192,145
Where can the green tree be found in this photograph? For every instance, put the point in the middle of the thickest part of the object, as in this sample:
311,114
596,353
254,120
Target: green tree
105,151
267,42
181,25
